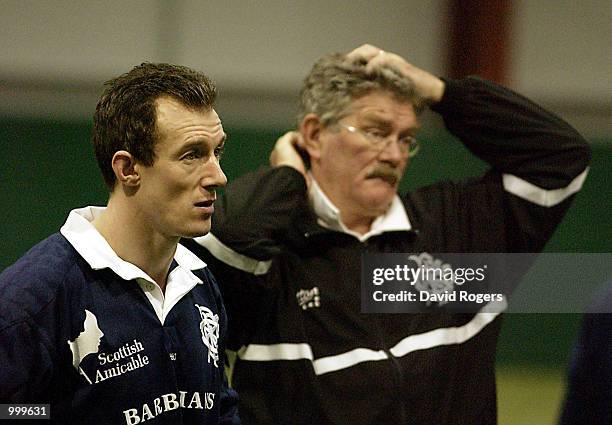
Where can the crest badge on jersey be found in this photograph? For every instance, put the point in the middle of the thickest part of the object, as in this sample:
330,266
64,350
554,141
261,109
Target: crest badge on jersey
209,326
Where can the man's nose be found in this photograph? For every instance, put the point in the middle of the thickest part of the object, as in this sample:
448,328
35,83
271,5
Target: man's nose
214,177
392,151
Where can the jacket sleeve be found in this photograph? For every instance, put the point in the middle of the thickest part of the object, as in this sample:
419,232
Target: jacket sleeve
249,220
537,162
257,208
513,134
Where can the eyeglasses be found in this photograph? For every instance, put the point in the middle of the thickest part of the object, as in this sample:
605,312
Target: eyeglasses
380,140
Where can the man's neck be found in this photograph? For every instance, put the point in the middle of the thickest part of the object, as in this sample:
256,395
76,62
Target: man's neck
356,223
327,209
133,241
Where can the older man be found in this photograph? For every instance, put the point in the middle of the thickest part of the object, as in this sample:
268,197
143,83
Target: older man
110,321
289,240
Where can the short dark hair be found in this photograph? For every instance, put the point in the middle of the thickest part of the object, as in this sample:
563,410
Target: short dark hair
125,117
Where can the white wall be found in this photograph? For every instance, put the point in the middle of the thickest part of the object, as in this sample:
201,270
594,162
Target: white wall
563,49
241,43
562,57
70,41
54,55
274,43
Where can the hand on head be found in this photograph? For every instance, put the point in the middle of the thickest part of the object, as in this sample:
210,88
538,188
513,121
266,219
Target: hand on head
428,87
289,150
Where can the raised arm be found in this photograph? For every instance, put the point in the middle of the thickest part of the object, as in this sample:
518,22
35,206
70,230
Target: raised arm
537,160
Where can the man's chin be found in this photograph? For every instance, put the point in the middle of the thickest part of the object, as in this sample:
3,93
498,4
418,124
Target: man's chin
196,231
378,205
196,235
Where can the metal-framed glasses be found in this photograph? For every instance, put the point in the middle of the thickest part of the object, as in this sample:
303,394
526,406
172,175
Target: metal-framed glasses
379,140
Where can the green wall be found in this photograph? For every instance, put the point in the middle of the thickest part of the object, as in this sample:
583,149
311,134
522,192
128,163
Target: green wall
47,168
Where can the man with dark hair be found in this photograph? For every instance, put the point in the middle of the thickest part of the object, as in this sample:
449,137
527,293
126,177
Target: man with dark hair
289,241
110,320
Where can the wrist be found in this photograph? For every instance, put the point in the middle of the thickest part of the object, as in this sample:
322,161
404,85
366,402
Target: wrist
437,91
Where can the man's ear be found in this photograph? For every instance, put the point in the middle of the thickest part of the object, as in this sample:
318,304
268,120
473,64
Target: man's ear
311,127
125,168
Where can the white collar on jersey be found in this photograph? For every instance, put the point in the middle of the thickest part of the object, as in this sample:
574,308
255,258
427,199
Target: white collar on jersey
94,249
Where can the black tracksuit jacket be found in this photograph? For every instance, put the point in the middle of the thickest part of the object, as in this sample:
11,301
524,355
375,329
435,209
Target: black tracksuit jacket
331,364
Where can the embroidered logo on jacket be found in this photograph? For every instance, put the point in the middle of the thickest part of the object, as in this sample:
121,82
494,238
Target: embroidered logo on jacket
209,326
432,279
308,298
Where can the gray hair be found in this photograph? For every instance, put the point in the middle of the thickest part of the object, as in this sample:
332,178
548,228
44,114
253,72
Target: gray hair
333,84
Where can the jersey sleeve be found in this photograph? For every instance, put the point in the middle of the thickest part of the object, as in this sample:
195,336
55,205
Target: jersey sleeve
228,414
25,364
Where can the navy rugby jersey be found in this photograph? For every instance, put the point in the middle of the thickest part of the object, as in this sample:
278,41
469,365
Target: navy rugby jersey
96,338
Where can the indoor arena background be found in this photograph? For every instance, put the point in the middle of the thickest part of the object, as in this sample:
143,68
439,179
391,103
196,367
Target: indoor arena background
55,55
